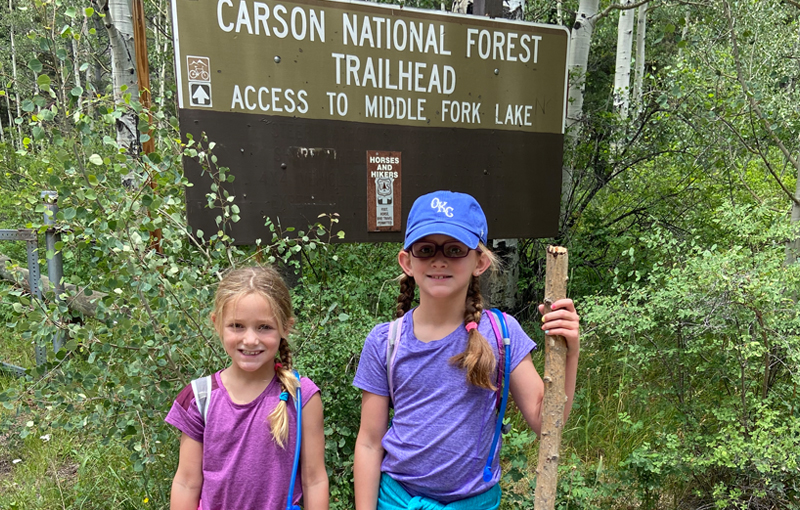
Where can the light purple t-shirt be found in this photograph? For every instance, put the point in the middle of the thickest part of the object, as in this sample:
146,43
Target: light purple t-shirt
442,428
243,466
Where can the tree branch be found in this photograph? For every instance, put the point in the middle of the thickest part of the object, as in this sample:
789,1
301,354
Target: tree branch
618,7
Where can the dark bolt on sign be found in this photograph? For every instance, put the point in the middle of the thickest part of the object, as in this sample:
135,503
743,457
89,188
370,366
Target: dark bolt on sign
293,94
383,191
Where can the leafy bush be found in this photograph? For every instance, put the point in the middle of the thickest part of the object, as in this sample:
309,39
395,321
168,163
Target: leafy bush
715,333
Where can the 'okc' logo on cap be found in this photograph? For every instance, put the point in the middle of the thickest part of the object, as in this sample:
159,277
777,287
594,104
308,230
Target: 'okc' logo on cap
441,207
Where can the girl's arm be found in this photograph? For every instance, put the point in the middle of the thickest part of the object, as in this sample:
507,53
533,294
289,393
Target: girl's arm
188,479
526,385
312,457
369,450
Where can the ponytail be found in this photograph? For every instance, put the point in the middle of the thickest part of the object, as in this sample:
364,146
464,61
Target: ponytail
407,287
478,359
279,417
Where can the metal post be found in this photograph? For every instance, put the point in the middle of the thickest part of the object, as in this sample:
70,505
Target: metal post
29,236
34,284
55,266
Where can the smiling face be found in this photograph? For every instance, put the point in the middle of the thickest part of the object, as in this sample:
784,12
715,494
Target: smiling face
250,334
440,277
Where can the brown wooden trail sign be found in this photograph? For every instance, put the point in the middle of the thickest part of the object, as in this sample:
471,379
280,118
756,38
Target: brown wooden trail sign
555,355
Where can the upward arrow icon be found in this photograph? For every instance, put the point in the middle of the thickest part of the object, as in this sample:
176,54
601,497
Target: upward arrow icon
200,96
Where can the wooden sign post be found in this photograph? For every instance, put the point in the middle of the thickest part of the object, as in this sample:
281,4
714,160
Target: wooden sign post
555,356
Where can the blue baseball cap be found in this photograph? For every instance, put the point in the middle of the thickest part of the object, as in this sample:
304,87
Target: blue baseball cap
457,215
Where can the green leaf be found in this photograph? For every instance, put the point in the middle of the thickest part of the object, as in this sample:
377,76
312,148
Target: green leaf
43,81
35,65
71,12
76,91
96,159
88,12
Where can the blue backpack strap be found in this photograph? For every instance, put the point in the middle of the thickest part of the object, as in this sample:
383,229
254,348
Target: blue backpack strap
298,402
500,351
501,320
202,395
392,345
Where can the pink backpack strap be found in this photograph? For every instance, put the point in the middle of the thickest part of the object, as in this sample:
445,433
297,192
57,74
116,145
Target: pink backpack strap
392,345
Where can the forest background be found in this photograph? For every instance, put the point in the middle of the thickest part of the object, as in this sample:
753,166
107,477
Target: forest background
681,210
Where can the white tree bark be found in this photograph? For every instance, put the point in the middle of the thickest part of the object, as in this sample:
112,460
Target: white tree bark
580,42
76,68
118,22
8,110
14,72
641,31
622,76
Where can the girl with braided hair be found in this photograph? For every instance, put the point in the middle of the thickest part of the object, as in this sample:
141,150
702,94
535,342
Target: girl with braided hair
443,371
240,455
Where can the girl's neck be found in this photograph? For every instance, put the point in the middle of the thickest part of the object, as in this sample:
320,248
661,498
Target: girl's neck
435,319
244,387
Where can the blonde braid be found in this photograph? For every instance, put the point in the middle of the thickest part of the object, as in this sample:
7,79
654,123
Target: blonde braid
478,359
407,287
279,417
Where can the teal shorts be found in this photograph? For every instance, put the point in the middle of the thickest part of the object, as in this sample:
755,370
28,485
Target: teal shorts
392,496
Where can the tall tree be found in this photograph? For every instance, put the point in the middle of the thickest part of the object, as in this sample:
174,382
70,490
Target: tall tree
622,75
641,31
118,23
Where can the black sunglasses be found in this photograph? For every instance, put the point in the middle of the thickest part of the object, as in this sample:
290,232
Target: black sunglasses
451,250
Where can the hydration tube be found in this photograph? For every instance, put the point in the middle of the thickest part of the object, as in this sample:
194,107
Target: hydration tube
487,470
298,402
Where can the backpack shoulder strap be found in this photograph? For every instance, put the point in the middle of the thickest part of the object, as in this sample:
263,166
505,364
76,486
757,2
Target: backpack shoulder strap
499,325
202,394
392,344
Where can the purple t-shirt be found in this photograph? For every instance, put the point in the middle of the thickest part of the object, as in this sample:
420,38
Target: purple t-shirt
243,466
442,428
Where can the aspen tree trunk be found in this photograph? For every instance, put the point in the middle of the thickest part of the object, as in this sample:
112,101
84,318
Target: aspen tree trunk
8,113
559,12
622,76
685,30
76,69
579,44
14,72
555,398
162,72
641,31
119,26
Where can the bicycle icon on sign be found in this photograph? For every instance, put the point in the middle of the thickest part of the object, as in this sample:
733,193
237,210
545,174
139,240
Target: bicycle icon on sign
199,68
194,74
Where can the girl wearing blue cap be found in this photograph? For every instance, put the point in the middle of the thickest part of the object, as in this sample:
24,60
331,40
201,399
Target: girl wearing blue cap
443,372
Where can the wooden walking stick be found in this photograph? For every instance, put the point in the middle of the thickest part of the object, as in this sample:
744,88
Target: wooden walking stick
555,356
